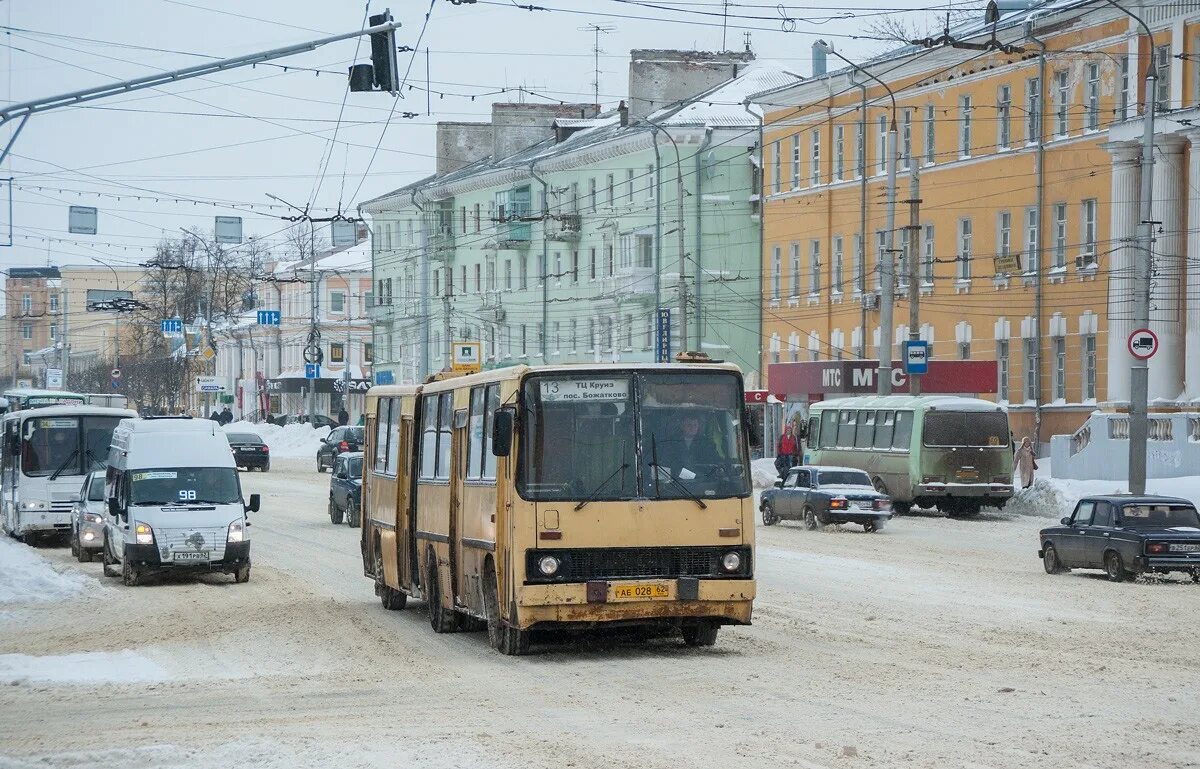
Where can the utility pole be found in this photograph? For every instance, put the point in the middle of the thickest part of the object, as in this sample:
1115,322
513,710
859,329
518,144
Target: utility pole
914,271
446,292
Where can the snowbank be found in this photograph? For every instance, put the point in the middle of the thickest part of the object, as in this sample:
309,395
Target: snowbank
763,473
287,441
84,668
26,575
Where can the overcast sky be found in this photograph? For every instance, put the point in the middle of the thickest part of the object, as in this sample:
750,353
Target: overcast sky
236,136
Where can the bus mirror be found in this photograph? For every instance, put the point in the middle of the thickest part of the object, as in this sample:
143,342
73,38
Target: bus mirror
114,507
255,500
502,431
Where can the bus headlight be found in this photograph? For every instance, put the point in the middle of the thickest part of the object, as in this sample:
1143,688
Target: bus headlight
731,561
35,504
143,534
237,532
548,565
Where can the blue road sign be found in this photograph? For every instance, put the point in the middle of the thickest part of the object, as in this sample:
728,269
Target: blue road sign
916,357
171,326
268,317
384,378
312,370
663,350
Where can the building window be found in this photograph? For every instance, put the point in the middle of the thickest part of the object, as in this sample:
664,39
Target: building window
1033,110
508,275
796,161
337,301
1004,233
368,352
839,153
26,303
776,273
54,303
27,331
1059,345
930,136
964,351
524,274
1002,369
881,144
1030,350
777,178
611,191
906,142
794,347
927,255
814,267
1093,96
558,270
1089,367
859,277
835,284
1031,240
53,331
478,218
491,276
774,348
608,259
815,171
463,218
1060,234
964,134
575,266
860,148
337,352
1062,102
964,249
1003,116
591,264
1088,248
1162,62
27,357
591,337
795,271
629,185
651,181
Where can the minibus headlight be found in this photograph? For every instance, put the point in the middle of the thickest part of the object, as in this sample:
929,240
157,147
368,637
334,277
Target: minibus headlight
237,532
731,561
143,534
93,518
35,504
548,565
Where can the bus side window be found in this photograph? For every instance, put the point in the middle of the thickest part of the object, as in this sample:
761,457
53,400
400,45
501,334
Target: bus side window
846,423
475,441
382,407
393,432
491,402
885,422
444,427
829,429
429,414
865,436
903,436
814,430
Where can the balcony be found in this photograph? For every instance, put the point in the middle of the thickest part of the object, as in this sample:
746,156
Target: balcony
491,310
565,227
630,282
514,234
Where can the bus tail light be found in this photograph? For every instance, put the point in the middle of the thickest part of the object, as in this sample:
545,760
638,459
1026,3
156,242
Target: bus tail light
1156,548
838,504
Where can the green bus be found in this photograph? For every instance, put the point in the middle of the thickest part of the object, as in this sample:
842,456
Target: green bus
940,451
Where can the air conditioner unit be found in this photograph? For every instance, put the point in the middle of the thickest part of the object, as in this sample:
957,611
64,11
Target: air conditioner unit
1083,260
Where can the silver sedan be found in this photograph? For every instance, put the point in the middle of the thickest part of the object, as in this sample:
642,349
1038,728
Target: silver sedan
87,518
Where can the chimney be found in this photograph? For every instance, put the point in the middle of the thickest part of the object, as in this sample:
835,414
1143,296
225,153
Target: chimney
662,78
461,144
819,57
517,127
623,111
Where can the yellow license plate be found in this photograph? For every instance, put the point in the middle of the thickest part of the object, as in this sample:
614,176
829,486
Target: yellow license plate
641,592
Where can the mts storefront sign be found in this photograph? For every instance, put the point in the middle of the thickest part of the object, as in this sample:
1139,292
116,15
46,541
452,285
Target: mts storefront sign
858,377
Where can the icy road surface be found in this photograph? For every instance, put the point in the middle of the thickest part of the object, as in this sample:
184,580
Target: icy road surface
935,643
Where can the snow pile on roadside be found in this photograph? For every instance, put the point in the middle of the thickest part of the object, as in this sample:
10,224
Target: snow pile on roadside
25,575
287,441
1056,497
763,473
84,668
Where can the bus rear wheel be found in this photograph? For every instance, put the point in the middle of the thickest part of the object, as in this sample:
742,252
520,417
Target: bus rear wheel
507,640
441,619
390,598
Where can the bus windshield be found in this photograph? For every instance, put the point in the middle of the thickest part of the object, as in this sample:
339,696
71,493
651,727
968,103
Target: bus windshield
66,445
966,428
657,435
174,485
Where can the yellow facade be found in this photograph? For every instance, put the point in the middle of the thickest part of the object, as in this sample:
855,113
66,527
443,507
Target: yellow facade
964,122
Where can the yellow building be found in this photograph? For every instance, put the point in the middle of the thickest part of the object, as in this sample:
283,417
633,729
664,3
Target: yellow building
1032,154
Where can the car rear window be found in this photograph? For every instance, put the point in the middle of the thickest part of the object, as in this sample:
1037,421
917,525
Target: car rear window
243,438
842,478
1160,515
353,434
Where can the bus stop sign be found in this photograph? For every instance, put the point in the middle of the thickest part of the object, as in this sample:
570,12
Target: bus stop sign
916,357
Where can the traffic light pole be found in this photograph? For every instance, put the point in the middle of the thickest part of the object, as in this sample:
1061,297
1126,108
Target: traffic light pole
24,110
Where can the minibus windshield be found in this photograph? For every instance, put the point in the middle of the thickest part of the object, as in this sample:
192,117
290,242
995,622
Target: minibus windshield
186,485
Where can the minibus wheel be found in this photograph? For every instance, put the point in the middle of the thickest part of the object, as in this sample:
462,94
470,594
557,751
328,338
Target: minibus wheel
130,575
107,560
242,575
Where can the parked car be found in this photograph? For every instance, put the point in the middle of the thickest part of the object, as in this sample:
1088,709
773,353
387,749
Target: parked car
318,421
249,451
87,518
1126,536
339,441
345,489
823,495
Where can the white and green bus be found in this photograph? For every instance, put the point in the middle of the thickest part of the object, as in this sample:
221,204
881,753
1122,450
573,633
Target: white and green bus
940,451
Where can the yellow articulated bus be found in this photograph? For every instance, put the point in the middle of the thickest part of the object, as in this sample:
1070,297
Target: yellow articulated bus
563,497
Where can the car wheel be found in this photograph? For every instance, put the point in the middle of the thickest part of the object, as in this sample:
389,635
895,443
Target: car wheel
74,542
320,465
130,574
1050,561
700,634
353,515
242,575
1114,566
769,518
810,519
109,565
901,508
872,526
1195,575
335,514
82,554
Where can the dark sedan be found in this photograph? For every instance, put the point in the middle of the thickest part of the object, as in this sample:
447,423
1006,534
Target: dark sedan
345,489
823,495
249,451
1125,536
339,441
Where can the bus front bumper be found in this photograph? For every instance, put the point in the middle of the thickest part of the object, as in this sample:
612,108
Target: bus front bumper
726,600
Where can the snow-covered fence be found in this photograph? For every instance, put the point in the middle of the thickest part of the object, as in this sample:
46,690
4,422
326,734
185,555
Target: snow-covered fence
1099,450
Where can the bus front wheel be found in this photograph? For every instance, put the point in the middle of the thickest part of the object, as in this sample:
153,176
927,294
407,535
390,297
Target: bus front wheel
441,619
505,639
700,633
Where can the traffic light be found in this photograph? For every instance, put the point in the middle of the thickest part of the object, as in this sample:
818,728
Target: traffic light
382,72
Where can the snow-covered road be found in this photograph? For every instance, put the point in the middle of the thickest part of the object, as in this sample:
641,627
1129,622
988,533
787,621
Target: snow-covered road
935,643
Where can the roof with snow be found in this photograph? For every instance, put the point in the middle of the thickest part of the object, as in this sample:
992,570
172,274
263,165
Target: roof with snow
356,258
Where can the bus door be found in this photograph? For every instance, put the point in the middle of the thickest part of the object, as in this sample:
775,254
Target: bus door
458,472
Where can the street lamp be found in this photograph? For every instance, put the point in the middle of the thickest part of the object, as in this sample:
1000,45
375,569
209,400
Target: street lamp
116,317
887,264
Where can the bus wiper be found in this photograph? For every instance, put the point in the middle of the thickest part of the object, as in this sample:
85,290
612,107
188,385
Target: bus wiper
655,466
63,466
592,497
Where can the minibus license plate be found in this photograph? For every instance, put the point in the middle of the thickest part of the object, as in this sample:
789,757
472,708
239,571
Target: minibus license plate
193,555
641,592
